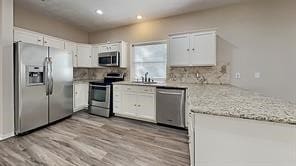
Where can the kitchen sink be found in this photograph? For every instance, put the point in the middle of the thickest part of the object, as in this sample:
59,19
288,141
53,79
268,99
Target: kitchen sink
139,82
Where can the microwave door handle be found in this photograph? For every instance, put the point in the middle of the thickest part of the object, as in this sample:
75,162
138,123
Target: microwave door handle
51,77
47,75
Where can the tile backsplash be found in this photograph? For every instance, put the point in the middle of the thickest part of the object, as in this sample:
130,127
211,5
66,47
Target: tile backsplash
96,73
219,74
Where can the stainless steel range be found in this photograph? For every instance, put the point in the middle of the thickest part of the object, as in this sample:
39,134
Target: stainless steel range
100,95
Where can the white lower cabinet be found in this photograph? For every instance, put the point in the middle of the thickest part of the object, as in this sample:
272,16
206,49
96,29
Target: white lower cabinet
191,136
80,96
136,102
226,141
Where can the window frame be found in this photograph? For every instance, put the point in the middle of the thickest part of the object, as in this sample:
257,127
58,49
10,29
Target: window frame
132,67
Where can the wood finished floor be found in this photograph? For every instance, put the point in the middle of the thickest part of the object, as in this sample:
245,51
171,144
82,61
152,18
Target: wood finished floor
85,139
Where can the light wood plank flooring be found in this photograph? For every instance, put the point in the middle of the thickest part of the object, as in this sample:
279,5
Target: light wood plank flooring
85,139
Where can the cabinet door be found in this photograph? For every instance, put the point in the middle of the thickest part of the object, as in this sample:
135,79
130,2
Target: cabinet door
72,49
146,106
203,49
191,137
103,48
117,108
54,42
179,50
84,55
80,96
114,47
28,37
94,57
129,104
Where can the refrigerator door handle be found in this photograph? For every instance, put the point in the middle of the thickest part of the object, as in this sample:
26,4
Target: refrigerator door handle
47,76
50,77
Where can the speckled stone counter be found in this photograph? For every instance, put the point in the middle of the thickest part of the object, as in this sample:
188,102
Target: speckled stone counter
84,81
165,84
230,101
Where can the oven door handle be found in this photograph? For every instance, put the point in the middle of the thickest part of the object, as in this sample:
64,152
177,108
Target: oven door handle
100,86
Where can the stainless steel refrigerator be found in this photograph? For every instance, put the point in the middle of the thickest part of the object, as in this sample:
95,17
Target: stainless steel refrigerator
43,86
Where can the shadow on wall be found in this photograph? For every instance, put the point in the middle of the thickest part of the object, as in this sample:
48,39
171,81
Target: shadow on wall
220,74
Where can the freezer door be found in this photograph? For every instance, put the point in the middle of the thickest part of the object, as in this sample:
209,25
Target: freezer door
61,84
31,101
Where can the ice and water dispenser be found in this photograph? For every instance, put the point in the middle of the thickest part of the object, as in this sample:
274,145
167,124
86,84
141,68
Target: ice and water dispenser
35,75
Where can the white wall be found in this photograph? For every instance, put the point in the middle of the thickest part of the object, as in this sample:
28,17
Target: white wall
1,80
6,71
39,22
259,36
225,141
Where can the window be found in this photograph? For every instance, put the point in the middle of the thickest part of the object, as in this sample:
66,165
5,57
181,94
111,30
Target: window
151,58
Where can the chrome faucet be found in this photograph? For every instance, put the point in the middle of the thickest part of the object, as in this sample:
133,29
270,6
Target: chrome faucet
146,76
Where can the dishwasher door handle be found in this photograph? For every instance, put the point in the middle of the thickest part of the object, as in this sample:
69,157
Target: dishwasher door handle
169,93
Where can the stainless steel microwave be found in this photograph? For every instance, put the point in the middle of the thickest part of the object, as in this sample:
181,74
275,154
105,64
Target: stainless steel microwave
109,59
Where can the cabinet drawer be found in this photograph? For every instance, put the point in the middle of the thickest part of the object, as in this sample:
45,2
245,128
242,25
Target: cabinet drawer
116,88
139,89
116,98
129,88
146,89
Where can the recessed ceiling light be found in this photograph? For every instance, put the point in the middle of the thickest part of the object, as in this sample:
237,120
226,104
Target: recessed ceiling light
139,17
100,12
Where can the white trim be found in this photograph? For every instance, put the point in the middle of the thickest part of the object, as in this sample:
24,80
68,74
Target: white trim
208,30
5,136
149,43
135,117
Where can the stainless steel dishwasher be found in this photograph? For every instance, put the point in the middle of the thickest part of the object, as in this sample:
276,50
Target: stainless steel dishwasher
170,107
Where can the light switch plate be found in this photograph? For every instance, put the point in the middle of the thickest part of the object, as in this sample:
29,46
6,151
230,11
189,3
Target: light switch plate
237,75
257,75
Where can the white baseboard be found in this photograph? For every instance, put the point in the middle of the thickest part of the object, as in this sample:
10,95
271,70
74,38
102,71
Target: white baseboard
5,136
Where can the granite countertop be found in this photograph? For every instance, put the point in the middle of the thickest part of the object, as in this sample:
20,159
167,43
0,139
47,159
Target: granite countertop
163,84
231,101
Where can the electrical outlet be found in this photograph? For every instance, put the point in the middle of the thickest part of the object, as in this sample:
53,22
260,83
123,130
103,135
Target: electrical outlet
257,75
237,75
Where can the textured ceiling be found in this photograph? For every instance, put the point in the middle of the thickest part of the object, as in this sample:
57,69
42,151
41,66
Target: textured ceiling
116,12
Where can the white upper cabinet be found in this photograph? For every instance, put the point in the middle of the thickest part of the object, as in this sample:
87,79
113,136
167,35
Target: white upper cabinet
179,50
193,49
110,47
95,56
54,42
203,49
84,52
37,38
72,49
27,37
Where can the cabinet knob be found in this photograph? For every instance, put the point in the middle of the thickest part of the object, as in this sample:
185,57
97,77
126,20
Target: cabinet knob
139,105
193,49
39,40
188,49
135,105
